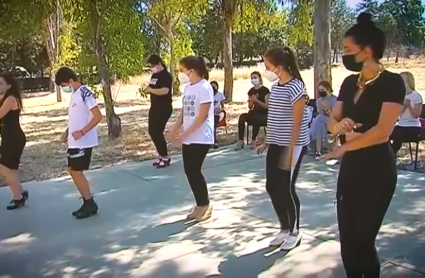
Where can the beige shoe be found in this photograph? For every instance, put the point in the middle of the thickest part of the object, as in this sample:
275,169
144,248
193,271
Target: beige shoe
252,144
193,214
204,213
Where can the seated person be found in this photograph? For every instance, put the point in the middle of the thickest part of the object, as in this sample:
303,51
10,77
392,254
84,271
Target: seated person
219,112
258,99
324,104
408,127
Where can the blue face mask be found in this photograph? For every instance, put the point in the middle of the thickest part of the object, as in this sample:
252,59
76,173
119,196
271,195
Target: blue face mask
68,89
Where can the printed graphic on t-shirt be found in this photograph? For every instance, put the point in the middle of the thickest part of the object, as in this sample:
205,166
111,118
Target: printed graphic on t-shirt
189,105
153,81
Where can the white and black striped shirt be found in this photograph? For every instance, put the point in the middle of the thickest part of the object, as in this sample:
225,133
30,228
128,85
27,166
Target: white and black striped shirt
280,116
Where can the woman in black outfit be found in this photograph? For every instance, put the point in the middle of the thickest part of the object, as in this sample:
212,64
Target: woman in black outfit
160,88
13,139
365,113
258,97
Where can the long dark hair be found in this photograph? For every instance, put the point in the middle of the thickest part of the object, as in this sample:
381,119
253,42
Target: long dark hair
284,57
197,63
14,89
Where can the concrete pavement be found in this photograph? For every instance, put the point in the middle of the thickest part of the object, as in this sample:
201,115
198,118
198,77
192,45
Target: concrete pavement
140,232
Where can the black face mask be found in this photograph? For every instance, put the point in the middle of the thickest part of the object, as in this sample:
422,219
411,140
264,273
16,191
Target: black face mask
322,93
351,64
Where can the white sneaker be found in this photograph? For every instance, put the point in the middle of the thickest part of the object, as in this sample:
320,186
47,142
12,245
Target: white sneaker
279,239
292,240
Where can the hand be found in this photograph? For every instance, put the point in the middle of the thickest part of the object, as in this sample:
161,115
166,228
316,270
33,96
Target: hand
334,154
261,148
346,125
64,137
174,134
254,98
324,106
77,134
406,102
148,89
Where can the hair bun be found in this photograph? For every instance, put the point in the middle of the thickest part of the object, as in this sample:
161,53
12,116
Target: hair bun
365,19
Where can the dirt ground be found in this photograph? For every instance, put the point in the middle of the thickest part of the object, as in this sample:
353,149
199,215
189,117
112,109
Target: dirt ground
44,119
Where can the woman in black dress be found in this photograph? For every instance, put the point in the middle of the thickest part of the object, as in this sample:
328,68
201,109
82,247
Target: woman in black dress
365,113
13,139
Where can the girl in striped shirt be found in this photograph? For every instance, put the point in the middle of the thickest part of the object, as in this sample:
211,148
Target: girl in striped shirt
287,138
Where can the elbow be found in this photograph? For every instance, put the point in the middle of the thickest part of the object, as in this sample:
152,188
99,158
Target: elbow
383,132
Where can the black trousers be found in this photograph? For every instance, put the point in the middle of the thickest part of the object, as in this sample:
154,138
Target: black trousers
403,134
158,118
253,118
281,186
366,184
193,158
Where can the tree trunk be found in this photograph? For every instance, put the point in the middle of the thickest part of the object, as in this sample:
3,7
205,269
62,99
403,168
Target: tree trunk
51,37
173,62
228,60
322,43
397,55
113,121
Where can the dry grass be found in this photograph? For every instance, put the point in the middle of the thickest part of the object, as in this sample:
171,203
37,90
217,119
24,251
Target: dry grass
44,119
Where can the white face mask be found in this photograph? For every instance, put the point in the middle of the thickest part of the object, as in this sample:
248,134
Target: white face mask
255,81
183,78
271,75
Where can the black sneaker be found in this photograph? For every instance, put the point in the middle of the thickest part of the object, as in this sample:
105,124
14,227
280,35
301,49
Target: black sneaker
215,146
88,209
15,204
318,155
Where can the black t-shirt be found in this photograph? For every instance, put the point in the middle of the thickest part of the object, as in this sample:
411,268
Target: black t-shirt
389,87
160,80
261,94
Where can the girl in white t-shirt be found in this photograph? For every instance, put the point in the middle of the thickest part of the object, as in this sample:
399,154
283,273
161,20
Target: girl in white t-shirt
408,127
196,123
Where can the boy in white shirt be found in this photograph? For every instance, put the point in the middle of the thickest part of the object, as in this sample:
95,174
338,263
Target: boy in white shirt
81,135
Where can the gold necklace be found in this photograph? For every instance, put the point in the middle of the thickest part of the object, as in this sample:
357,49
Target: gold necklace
363,83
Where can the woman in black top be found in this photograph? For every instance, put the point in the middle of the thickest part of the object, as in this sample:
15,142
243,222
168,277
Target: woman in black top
258,98
365,113
13,139
160,88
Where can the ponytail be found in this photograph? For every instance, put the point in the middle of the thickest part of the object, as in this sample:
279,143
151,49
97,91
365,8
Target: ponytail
292,64
196,63
205,74
284,57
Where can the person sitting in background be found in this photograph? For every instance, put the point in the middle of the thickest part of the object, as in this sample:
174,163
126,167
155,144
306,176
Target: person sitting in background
258,99
408,127
219,112
324,103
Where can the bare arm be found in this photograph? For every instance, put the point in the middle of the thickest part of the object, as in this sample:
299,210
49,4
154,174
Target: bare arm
8,104
179,120
381,131
200,119
416,110
158,92
264,104
335,116
298,116
97,117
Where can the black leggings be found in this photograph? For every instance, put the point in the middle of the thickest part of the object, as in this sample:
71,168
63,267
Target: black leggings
253,118
158,118
404,134
193,158
366,184
281,187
